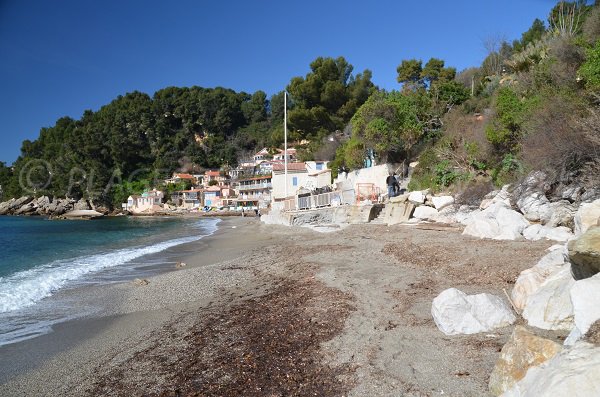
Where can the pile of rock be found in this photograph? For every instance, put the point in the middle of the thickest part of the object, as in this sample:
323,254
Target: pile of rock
49,206
560,293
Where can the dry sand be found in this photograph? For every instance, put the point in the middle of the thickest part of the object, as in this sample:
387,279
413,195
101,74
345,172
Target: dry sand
275,311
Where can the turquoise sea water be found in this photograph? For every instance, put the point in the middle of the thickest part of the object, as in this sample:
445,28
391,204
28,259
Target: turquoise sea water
39,257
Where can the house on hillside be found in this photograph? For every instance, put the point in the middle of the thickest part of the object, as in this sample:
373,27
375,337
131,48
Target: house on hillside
260,156
147,202
212,196
180,177
291,155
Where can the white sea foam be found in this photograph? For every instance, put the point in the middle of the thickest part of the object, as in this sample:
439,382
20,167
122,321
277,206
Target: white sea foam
27,287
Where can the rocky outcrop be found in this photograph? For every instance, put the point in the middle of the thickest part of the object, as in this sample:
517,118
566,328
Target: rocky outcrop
49,206
523,351
417,197
425,212
584,254
455,312
572,372
441,202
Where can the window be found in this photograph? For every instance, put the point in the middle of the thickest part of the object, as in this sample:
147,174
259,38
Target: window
295,181
319,166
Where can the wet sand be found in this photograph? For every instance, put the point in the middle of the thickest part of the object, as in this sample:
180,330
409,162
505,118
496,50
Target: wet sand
272,311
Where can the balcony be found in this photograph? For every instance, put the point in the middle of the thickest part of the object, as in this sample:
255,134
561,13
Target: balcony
255,186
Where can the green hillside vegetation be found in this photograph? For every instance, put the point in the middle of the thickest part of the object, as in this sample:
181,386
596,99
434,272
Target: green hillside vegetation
531,105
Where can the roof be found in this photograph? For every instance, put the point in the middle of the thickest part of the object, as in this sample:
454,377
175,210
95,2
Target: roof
262,151
183,176
189,191
213,189
255,178
290,150
290,167
212,173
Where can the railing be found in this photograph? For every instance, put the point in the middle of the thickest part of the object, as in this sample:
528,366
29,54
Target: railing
255,186
312,201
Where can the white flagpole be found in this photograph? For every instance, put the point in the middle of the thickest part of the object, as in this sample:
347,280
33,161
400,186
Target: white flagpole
285,167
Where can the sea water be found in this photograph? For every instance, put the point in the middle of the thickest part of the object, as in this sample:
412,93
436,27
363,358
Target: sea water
39,257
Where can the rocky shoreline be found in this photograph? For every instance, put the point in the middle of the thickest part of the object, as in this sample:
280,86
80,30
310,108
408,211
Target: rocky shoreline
54,207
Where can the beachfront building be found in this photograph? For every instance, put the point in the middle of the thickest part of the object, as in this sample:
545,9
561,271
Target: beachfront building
308,175
147,202
188,199
254,192
212,196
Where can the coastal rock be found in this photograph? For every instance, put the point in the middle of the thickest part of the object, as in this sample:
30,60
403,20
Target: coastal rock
497,222
179,265
572,372
562,213
140,281
549,307
585,295
5,206
584,254
465,214
498,196
534,206
417,197
523,351
26,209
531,279
82,204
455,312
442,201
42,204
425,212
538,232
18,203
586,216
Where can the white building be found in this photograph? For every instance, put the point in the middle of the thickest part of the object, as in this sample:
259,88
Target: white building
148,202
310,175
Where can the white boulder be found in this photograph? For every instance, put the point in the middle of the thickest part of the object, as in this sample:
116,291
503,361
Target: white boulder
425,212
442,201
538,232
417,197
585,297
455,312
530,279
572,372
549,307
587,215
497,222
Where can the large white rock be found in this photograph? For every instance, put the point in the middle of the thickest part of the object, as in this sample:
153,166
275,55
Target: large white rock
573,372
497,222
587,215
534,206
549,307
538,232
417,197
455,312
530,280
425,212
442,201
585,297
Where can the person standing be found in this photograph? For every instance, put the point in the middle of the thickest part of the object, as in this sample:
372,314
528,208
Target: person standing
391,183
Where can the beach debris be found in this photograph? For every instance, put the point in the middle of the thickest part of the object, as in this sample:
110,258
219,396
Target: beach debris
523,351
141,281
455,312
180,265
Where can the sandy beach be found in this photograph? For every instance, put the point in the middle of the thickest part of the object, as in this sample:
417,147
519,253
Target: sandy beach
276,311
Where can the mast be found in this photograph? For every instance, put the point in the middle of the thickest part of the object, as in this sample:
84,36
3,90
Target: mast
285,161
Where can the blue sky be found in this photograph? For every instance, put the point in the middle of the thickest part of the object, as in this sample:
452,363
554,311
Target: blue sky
58,58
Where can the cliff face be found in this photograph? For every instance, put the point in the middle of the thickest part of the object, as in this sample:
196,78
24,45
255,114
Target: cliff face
49,206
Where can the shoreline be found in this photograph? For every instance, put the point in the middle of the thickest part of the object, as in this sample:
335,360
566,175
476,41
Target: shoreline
343,313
